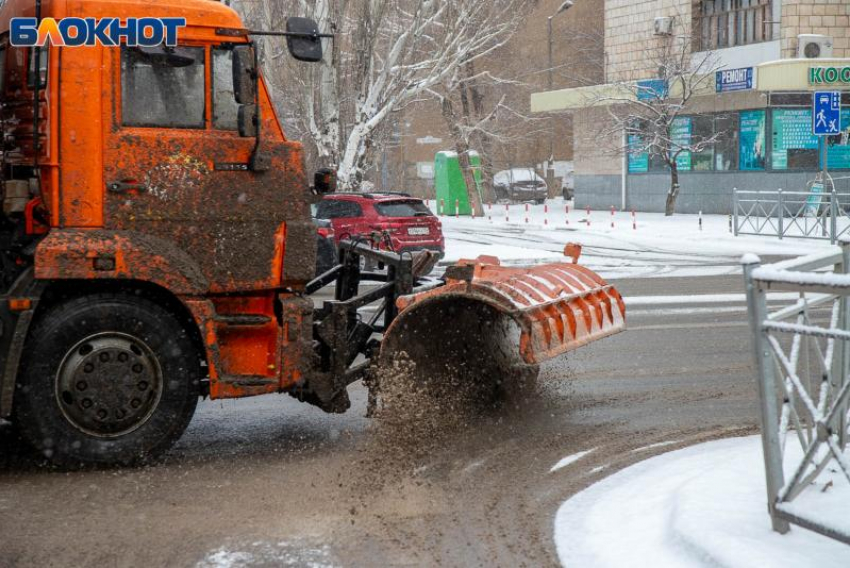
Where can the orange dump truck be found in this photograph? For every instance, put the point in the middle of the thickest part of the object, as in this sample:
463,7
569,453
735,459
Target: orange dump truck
156,246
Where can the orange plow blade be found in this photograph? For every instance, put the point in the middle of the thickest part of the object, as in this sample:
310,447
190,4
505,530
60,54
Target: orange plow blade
555,308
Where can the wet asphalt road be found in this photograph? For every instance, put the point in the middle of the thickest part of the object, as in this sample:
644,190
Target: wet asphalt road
272,482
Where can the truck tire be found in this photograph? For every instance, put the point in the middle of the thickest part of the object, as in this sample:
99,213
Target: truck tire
108,379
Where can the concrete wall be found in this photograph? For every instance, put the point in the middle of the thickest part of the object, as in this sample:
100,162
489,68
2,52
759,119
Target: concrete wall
709,192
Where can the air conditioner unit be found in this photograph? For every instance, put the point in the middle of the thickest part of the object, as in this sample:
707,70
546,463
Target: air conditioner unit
663,26
814,46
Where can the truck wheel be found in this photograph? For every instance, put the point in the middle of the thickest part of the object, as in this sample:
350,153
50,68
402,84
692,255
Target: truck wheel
107,379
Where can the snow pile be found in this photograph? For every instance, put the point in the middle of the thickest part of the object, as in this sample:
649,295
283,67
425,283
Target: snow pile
700,507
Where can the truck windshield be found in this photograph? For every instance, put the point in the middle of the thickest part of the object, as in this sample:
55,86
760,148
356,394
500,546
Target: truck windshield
402,209
163,87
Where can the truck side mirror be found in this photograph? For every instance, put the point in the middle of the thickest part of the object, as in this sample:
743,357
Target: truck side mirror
324,181
246,120
303,39
244,75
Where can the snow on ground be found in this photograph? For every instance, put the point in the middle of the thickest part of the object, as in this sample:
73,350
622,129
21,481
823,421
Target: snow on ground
569,459
700,507
659,246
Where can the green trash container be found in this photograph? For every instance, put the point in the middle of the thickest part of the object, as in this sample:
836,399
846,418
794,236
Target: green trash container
448,180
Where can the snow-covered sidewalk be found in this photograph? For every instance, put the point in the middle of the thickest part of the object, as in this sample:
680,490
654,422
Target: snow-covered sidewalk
700,507
658,246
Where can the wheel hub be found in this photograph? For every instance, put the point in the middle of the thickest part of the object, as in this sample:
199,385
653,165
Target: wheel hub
109,384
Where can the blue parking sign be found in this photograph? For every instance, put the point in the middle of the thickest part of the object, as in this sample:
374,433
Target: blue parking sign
826,113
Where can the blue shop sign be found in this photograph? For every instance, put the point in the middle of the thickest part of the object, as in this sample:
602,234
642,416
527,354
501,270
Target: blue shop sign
651,89
734,80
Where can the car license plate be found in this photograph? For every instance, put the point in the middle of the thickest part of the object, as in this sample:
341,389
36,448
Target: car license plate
418,231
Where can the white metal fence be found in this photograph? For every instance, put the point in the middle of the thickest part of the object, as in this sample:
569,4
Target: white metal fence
810,214
802,353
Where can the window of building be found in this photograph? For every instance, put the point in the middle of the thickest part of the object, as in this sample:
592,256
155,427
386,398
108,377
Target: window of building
752,143
681,135
162,86
725,149
838,149
727,23
686,131
638,161
225,108
794,146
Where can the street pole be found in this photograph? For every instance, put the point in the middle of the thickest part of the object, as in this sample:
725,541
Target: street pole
551,85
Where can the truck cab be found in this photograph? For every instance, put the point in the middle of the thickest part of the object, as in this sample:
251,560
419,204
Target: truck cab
145,184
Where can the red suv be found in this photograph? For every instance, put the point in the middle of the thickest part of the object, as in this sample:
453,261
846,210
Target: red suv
407,220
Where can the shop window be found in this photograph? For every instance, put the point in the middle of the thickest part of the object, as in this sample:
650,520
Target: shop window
793,144
725,149
681,133
752,142
838,149
703,129
727,23
162,86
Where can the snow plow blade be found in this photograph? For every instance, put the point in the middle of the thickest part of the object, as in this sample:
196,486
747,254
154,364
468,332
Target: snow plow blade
488,318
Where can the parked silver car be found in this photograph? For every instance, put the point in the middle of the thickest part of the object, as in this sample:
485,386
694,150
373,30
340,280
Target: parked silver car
520,184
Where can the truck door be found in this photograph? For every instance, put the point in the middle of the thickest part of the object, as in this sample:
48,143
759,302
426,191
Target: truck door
175,166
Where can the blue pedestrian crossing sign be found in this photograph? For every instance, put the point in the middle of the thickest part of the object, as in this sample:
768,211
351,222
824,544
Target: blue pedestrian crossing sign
826,113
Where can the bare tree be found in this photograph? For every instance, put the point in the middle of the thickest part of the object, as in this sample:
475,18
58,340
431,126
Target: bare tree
385,54
648,114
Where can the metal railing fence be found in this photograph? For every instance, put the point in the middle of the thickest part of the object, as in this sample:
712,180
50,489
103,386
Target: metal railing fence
794,214
802,355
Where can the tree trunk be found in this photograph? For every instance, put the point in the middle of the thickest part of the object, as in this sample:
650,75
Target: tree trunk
462,149
670,207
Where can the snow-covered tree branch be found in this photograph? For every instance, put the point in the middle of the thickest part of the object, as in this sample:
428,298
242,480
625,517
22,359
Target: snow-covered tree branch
652,116
385,54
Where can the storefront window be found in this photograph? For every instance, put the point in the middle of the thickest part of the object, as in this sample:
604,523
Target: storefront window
638,161
838,151
726,147
680,134
794,145
752,147
703,129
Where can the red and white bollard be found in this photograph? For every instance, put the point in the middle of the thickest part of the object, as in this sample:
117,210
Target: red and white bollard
507,212
588,216
442,208
545,214
634,221
526,213
566,214
457,208
490,212
612,216
700,220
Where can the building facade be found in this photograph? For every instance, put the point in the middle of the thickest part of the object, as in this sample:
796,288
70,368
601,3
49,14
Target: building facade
767,58
576,55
